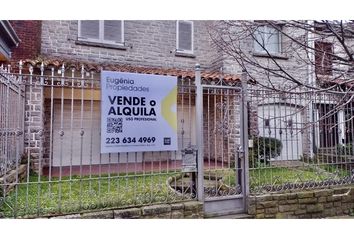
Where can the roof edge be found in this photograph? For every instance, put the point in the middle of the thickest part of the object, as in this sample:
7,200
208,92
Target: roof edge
11,33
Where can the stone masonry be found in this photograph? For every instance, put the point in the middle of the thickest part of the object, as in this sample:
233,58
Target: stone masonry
34,126
147,43
319,203
192,209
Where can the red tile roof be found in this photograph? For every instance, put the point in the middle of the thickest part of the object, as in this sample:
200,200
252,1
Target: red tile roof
97,67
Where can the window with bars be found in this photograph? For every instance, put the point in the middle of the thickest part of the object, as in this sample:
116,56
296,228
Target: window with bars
323,58
185,37
266,39
102,31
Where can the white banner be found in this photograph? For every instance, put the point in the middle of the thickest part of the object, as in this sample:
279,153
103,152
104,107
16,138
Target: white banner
138,112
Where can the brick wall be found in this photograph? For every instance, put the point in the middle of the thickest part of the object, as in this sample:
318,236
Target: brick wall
29,31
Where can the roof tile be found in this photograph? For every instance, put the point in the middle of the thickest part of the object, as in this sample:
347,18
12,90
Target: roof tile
97,67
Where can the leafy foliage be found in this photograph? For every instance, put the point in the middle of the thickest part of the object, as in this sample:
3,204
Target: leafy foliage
346,149
264,148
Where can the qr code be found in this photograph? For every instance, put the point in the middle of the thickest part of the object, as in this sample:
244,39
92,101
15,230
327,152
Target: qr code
114,125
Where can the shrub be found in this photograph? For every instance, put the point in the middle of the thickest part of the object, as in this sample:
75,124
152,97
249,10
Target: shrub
264,148
346,149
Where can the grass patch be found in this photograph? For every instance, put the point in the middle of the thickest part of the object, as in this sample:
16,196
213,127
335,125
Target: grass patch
280,175
79,194
337,171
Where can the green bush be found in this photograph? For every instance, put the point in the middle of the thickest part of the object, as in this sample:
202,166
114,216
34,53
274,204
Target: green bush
346,149
264,148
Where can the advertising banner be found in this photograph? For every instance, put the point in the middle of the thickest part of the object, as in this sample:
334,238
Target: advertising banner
138,112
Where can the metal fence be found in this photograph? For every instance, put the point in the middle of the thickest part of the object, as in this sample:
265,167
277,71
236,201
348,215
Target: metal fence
299,140
63,168
11,124
50,160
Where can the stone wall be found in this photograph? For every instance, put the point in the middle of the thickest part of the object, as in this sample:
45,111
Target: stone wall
147,43
192,209
9,180
34,125
319,203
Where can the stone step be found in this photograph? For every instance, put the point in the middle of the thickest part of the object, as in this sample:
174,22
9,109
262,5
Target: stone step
233,216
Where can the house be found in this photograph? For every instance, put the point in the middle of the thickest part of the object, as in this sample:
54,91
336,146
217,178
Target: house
57,116
243,122
157,47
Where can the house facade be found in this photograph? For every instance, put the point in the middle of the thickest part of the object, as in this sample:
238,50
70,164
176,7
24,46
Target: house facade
161,47
245,100
150,47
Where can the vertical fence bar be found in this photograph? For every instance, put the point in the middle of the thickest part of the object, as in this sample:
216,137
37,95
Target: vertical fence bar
215,114
8,131
244,138
62,84
71,132
82,132
199,132
2,117
51,119
41,83
208,140
183,121
91,130
19,133
29,138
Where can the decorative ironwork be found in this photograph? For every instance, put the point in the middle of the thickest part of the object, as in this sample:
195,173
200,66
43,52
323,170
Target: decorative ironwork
62,170
285,158
223,123
282,157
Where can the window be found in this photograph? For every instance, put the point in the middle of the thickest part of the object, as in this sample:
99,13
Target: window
323,58
102,31
185,37
267,38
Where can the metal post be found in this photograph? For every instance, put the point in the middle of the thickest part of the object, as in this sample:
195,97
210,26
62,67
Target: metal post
199,132
244,138
311,82
341,127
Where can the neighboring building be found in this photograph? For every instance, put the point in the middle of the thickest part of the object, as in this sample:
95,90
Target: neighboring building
8,40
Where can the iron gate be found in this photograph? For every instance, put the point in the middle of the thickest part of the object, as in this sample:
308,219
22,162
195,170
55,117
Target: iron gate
221,133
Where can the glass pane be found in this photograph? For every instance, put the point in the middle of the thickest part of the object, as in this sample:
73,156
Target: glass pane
185,36
90,29
259,39
113,30
272,40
